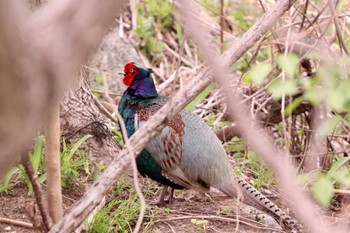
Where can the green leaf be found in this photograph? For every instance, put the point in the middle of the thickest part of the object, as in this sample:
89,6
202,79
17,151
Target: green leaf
289,63
38,150
42,178
200,97
77,145
305,178
322,190
231,147
328,76
314,95
5,182
99,78
335,99
259,73
278,88
179,32
26,178
329,125
239,17
221,124
292,106
342,175
339,171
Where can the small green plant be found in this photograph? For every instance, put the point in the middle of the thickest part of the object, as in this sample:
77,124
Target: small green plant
248,162
98,83
200,223
323,187
17,174
100,167
118,137
8,181
38,162
224,210
122,209
200,97
70,166
154,17
251,164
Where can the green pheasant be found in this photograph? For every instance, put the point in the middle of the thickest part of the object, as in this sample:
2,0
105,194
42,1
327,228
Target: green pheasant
186,154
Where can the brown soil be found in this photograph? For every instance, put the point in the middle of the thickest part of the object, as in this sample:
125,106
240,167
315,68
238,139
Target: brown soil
186,213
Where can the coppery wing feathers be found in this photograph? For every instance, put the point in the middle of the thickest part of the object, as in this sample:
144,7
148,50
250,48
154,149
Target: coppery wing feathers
172,140
169,154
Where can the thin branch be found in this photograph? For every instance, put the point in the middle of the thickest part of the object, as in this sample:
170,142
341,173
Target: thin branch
102,92
38,192
133,10
337,27
222,3
135,175
225,134
16,222
304,15
342,192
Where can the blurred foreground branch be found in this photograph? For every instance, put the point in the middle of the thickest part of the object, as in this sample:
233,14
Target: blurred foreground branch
39,55
252,132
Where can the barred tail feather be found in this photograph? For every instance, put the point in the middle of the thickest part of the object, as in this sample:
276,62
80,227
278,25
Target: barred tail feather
251,196
268,206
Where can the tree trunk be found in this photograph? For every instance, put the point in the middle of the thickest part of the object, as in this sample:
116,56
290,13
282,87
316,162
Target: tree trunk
53,163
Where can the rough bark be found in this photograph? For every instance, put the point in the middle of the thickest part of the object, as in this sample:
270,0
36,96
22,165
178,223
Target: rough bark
79,116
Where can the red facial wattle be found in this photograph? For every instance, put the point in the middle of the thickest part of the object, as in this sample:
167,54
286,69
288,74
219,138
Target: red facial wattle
127,80
130,71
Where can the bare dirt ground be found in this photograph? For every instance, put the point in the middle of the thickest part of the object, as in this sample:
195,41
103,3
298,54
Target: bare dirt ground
186,214
17,202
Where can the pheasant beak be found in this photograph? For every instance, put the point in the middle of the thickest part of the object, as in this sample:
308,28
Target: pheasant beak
124,74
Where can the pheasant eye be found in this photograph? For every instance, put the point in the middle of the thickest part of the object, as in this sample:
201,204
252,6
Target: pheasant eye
131,70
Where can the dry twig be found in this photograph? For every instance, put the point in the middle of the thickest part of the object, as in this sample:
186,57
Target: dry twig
38,192
16,222
134,170
337,27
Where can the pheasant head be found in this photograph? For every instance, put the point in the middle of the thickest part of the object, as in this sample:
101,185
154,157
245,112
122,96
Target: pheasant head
139,81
